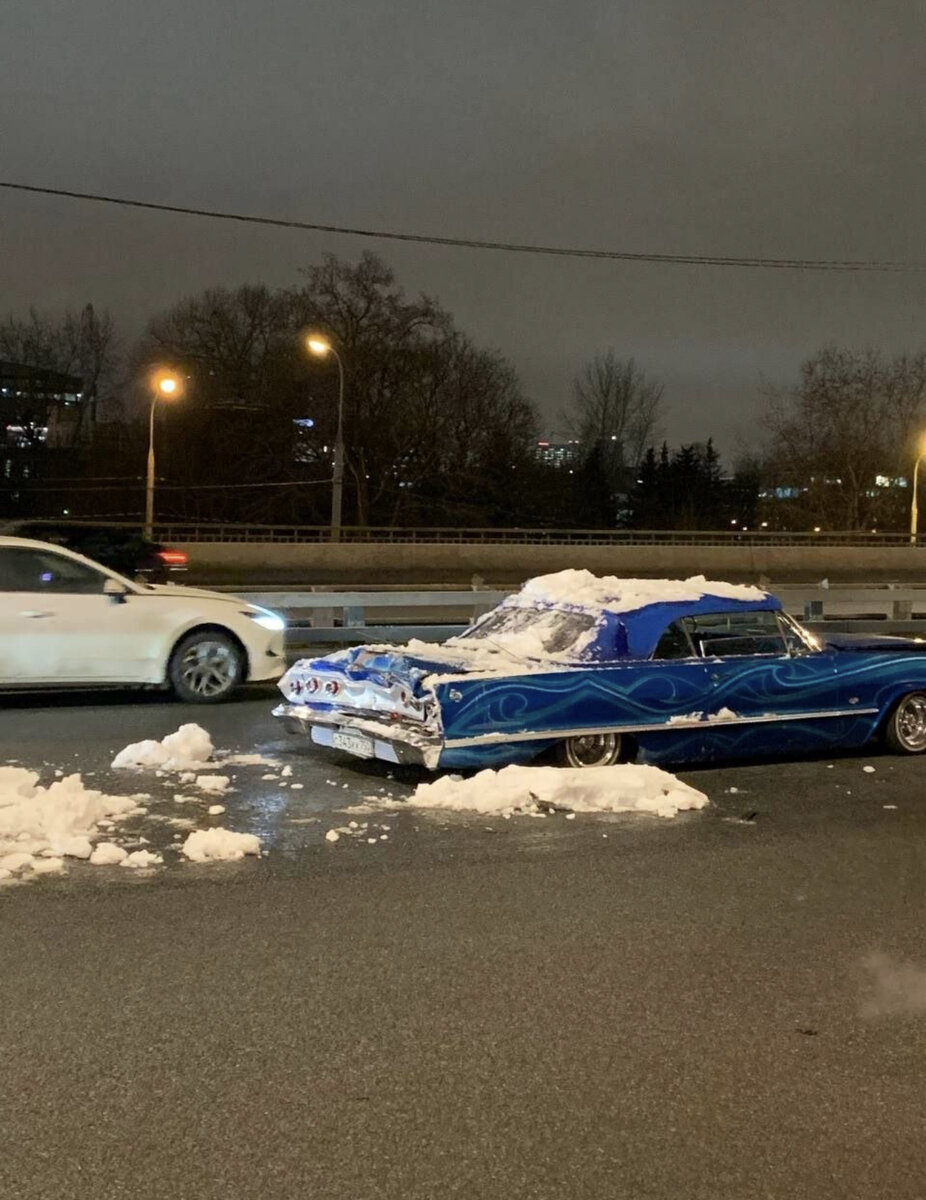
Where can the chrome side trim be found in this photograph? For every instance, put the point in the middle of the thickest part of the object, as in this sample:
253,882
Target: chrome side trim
548,734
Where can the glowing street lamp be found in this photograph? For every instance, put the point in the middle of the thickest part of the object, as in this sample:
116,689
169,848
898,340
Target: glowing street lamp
165,385
914,514
321,347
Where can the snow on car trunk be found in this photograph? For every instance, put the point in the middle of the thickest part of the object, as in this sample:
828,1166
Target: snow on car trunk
623,788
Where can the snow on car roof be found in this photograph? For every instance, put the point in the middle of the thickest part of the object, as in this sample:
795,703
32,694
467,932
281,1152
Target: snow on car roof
582,589
627,618
642,608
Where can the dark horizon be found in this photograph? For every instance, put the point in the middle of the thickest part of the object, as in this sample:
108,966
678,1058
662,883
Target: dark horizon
743,132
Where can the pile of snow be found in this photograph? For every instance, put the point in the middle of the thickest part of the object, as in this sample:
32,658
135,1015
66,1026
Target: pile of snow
585,590
623,788
39,824
213,845
189,748
140,859
544,639
212,783
107,854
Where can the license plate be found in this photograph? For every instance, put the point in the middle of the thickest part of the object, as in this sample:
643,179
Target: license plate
353,743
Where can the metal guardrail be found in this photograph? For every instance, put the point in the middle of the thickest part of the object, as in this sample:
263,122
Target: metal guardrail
200,531
331,616
314,534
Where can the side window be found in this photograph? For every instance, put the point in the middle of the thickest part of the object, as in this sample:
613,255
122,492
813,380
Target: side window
24,570
674,643
14,570
738,633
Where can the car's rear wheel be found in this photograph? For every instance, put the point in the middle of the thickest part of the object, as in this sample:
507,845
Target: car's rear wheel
590,750
206,667
905,732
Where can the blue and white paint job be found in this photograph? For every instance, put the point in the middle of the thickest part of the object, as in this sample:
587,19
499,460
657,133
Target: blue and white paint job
482,700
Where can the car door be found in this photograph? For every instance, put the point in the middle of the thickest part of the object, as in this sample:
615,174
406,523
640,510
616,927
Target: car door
769,691
58,625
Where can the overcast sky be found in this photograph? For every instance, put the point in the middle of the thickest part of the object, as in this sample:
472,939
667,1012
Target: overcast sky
732,127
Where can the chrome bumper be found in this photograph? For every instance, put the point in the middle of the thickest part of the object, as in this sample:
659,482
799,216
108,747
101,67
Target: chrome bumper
396,742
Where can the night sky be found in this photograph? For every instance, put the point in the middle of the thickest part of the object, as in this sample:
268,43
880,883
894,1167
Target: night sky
732,127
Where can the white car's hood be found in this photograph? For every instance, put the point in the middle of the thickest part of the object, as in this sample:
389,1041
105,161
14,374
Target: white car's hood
175,590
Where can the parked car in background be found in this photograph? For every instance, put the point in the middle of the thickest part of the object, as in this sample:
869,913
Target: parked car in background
122,548
66,621
603,670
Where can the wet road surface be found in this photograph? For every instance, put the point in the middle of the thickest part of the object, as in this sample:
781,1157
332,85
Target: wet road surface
728,1004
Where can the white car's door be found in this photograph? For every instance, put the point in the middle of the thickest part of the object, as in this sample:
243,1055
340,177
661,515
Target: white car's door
57,625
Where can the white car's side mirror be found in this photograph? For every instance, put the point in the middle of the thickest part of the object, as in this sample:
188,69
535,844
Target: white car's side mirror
116,591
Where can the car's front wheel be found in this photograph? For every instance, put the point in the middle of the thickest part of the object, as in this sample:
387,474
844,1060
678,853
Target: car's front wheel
905,732
590,750
205,667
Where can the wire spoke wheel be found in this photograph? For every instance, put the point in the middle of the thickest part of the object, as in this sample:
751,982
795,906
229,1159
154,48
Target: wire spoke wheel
590,750
206,666
906,729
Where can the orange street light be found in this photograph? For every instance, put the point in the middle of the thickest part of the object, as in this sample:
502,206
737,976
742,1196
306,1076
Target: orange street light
165,385
321,347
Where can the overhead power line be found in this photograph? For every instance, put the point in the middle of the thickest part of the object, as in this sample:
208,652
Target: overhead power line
703,260
28,486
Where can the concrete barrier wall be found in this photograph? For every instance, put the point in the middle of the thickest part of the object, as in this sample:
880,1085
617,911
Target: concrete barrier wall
382,563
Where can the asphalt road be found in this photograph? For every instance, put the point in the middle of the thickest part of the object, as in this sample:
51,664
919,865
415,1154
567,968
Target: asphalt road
731,1004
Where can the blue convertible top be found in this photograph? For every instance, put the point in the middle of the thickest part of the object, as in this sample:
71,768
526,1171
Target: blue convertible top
640,629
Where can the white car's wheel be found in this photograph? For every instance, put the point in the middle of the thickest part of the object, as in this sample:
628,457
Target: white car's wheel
205,667
905,732
590,750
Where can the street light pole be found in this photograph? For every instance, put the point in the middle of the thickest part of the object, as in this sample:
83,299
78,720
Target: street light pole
321,347
167,385
337,479
914,512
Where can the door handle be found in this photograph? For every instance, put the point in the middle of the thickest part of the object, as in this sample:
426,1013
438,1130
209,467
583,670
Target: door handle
34,614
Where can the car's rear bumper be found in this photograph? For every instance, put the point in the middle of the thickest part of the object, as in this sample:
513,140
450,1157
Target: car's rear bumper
395,742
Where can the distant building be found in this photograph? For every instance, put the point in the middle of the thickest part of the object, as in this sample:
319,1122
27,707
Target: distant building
559,453
39,407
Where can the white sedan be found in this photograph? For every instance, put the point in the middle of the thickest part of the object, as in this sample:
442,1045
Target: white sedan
66,621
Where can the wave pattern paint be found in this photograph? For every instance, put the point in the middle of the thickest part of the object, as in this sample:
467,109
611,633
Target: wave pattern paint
477,702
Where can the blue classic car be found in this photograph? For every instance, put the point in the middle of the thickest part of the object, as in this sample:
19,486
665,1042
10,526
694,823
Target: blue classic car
600,670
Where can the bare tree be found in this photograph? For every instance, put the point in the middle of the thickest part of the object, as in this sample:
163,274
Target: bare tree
427,415
852,418
616,409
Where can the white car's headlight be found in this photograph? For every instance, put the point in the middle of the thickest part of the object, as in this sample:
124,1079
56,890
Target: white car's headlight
265,619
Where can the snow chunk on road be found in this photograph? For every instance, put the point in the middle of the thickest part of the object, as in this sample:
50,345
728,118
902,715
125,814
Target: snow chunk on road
107,854
189,747
47,866
139,859
15,862
58,819
623,788
212,845
213,783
